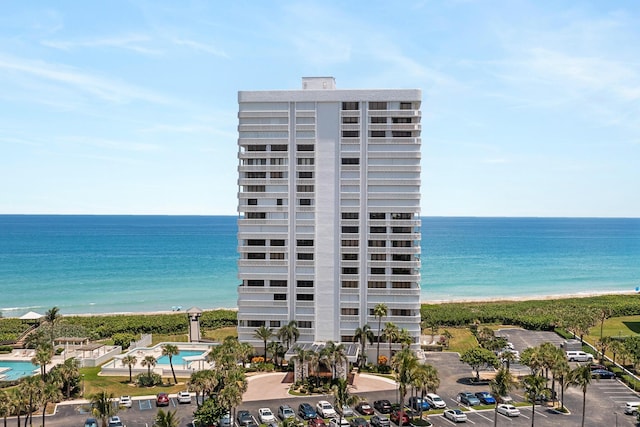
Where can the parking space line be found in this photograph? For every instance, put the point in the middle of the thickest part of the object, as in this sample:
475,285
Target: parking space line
481,415
144,405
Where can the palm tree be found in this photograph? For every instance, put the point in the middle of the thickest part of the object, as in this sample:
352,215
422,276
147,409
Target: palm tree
69,374
31,387
404,363
102,406
561,371
425,378
149,361
263,333
302,356
362,335
534,386
391,333
379,311
581,377
43,356
50,394
276,349
129,361
166,419
52,316
500,386
289,333
197,384
19,404
5,406
171,350
335,355
342,397
404,338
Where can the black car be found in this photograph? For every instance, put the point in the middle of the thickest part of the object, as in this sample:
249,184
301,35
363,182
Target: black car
244,418
378,421
602,374
358,422
383,406
306,411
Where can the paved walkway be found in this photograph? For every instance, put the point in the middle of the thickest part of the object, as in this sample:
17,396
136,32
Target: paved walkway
271,386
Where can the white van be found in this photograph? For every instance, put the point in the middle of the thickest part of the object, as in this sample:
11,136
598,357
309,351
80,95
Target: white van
631,408
579,356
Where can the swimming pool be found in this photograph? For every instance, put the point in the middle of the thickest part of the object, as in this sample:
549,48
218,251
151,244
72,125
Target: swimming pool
178,359
11,370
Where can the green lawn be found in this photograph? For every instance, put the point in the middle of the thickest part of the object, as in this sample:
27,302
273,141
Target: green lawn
94,383
616,326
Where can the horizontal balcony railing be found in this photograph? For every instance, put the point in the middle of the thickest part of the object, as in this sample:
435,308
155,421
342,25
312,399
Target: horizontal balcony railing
262,263
263,127
263,113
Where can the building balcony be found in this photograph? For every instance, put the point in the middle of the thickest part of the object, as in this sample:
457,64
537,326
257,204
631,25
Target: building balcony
263,127
263,113
395,113
262,263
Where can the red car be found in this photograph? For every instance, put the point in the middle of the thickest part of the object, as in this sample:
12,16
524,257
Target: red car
400,418
162,399
317,422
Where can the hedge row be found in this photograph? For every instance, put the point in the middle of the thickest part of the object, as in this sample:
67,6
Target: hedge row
11,329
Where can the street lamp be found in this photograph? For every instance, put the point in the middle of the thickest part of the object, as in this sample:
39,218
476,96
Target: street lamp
82,385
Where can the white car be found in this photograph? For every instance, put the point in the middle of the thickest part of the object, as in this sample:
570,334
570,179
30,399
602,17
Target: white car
455,415
266,416
508,410
183,397
115,421
342,422
126,401
325,409
435,401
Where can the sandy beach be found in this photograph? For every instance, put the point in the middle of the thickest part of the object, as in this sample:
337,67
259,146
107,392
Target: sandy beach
530,297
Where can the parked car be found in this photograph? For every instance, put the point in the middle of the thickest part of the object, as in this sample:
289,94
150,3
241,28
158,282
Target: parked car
162,399
505,399
418,403
379,421
602,374
306,411
339,422
244,417
345,410
467,398
383,406
579,356
225,420
631,408
126,402
455,415
91,422
115,421
486,398
285,411
400,418
435,401
325,409
266,416
508,410
317,422
183,397
595,366
358,422
364,408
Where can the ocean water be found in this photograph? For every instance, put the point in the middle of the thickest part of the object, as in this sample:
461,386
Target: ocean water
101,264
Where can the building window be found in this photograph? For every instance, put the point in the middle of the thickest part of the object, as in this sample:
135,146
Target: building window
377,270
350,106
377,243
376,215
252,202
304,284
401,271
400,312
304,188
401,257
279,202
350,229
349,257
401,120
378,257
350,133
255,215
406,106
401,134
346,338
350,120
350,215
350,243
304,324
256,175
255,323
305,161
349,270
378,134
305,202
305,175
274,323
401,243
374,284
301,242
349,311
304,297
255,242
282,147
378,120
401,285
303,256
255,162
255,282
401,230
349,284
350,161
305,147
279,297
377,230
256,148
278,242
277,162
254,188
276,255
276,175
256,255
403,215
377,106
278,283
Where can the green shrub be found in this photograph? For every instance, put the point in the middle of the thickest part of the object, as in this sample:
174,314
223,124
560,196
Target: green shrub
5,349
123,339
144,380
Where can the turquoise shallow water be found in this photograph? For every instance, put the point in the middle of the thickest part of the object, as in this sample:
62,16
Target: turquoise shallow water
100,264
16,370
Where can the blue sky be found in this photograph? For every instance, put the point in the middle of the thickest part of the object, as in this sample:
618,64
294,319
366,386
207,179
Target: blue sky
530,108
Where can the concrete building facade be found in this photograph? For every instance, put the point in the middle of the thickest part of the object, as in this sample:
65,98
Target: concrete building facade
329,210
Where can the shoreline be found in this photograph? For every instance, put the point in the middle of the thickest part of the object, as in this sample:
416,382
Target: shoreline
478,300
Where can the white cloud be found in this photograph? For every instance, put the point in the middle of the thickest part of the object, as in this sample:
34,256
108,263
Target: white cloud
133,42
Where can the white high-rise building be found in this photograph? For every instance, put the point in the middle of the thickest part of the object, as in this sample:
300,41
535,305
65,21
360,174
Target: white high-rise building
329,204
